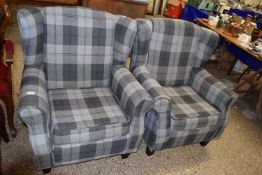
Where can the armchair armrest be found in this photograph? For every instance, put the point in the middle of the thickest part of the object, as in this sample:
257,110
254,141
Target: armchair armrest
162,103
34,106
131,95
158,120
34,112
211,89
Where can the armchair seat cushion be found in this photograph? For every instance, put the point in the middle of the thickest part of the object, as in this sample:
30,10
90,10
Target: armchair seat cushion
189,110
81,115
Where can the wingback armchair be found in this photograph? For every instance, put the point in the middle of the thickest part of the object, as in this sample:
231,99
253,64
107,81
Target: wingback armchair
190,105
77,99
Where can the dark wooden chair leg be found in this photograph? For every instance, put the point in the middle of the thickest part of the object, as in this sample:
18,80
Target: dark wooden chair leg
0,157
45,171
149,152
124,156
204,143
3,132
10,114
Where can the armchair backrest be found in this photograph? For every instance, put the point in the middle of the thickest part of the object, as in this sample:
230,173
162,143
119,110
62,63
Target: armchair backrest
77,46
172,48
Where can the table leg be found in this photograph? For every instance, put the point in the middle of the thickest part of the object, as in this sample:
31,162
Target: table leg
243,73
259,105
231,67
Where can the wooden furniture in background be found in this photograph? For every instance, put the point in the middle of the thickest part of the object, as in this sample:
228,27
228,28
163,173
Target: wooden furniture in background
228,37
225,58
129,8
252,82
45,2
5,66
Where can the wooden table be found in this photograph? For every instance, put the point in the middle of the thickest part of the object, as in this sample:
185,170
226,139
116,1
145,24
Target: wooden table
228,37
45,2
249,57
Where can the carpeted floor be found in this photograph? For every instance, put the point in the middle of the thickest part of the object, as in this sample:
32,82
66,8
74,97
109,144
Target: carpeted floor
238,151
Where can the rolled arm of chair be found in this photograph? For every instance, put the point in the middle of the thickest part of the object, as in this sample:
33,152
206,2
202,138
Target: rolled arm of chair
33,97
162,103
211,89
131,95
34,112
158,120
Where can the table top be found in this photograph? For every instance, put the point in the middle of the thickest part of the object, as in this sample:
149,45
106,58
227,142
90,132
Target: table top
228,37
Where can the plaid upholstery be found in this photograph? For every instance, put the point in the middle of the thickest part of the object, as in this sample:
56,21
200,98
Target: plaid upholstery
162,103
129,92
196,105
142,41
77,99
78,47
125,32
35,113
211,89
161,108
85,114
31,29
189,110
135,101
175,47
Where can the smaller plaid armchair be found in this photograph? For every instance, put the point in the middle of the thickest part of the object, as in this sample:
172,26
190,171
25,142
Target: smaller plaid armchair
190,105
77,99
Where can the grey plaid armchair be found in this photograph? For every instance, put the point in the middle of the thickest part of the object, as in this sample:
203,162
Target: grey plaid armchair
190,105
77,99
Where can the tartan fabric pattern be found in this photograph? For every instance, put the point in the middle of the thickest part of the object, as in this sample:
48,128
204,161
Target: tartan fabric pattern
34,112
75,153
162,103
85,114
136,102
125,32
156,139
130,94
211,89
161,108
77,99
175,47
189,110
197,105
31,30
78,47
187,137
141,44
172,49
208,41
